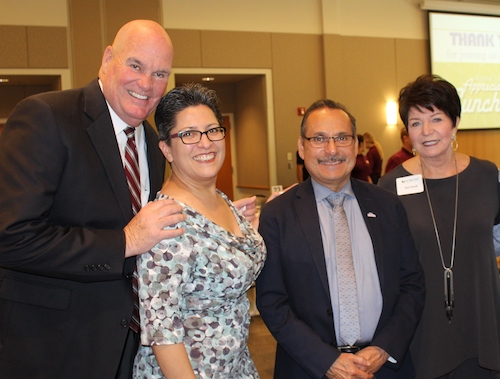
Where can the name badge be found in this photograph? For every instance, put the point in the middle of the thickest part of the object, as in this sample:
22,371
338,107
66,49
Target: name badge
407,185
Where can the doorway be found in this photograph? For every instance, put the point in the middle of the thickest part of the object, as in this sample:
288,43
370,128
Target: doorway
225,177
247,94
17,84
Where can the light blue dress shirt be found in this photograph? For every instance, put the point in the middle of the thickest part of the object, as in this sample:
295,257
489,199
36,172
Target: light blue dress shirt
367,281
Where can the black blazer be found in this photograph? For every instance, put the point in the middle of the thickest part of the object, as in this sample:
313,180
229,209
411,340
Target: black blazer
65,289
293,296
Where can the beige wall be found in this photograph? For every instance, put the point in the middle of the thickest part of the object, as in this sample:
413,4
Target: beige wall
30,48
358,52
298,81
251,137
376,18
364,73
33,47
34,12
93,25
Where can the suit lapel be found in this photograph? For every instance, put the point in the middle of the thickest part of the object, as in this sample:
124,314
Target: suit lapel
305,204
103,137
156,161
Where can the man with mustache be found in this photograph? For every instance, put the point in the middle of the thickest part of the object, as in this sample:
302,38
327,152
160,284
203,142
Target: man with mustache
342,289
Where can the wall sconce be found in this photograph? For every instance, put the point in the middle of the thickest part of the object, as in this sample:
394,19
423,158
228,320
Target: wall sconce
391,112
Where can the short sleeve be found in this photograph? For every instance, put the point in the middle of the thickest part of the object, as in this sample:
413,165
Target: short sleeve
164,273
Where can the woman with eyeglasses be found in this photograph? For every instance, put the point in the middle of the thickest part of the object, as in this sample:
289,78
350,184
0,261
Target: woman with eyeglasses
192,289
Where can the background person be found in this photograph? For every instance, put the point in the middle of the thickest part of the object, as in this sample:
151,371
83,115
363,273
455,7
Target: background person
362,168
375,156
298,290
194,309
302,173
402,155
452,208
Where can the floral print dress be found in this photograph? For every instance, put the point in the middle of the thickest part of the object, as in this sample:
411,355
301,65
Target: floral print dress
192,290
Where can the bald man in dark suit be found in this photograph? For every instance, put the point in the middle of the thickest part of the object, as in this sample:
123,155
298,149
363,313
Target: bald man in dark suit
68,238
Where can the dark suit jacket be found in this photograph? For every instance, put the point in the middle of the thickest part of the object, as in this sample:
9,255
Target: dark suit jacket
65,288
293,296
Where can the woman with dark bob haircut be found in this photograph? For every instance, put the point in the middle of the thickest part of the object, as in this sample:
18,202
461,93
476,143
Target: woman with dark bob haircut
452,201
192,289
429,92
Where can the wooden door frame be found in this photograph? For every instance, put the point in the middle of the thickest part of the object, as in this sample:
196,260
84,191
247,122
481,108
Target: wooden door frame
232,138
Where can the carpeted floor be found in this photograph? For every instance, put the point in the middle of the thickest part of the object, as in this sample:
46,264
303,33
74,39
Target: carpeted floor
262,347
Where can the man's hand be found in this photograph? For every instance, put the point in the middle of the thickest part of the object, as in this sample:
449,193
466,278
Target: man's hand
248,207
349,366
146,229
375,356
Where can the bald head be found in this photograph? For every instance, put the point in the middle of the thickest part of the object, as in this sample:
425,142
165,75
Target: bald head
135,69
141,31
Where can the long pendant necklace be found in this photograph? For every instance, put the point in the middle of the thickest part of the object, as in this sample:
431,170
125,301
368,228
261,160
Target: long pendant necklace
449,296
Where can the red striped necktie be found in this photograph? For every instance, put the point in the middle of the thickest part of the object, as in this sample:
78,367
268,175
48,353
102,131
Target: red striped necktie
132,170
132,173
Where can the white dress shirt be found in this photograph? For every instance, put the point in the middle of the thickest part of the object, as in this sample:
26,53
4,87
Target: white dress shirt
140,141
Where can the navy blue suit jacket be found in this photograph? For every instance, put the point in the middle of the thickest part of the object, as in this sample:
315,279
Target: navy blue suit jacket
293,295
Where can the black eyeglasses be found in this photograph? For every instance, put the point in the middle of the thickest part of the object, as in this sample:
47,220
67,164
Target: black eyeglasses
323,141
190,137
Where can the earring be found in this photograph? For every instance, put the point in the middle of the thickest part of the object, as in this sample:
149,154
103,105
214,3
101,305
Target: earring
414,151
454,143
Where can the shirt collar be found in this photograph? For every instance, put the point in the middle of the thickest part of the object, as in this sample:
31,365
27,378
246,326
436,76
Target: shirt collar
321,192
118,124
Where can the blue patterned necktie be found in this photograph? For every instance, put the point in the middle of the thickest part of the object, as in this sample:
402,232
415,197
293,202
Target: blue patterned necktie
349,328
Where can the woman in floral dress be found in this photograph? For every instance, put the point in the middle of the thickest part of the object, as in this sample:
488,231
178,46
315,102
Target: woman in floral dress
192,289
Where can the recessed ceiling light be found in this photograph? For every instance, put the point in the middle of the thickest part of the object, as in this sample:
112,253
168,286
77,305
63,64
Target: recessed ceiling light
4,80
208,79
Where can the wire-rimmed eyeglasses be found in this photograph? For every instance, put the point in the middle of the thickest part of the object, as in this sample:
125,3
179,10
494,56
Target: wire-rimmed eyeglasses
342,140
190,137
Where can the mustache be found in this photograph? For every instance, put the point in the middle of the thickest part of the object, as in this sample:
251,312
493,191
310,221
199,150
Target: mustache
332,159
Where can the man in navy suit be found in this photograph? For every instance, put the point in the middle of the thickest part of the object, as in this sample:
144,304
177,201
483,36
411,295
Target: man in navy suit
68,238
298,289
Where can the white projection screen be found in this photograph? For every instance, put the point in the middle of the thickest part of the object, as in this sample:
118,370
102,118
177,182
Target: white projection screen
465,50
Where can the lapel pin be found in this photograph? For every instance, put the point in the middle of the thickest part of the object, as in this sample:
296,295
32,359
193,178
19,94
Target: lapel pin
371,214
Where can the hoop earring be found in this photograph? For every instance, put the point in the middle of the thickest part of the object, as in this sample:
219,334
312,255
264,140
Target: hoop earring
454,143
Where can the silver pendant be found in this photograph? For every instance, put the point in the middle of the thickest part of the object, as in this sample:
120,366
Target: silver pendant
449,300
